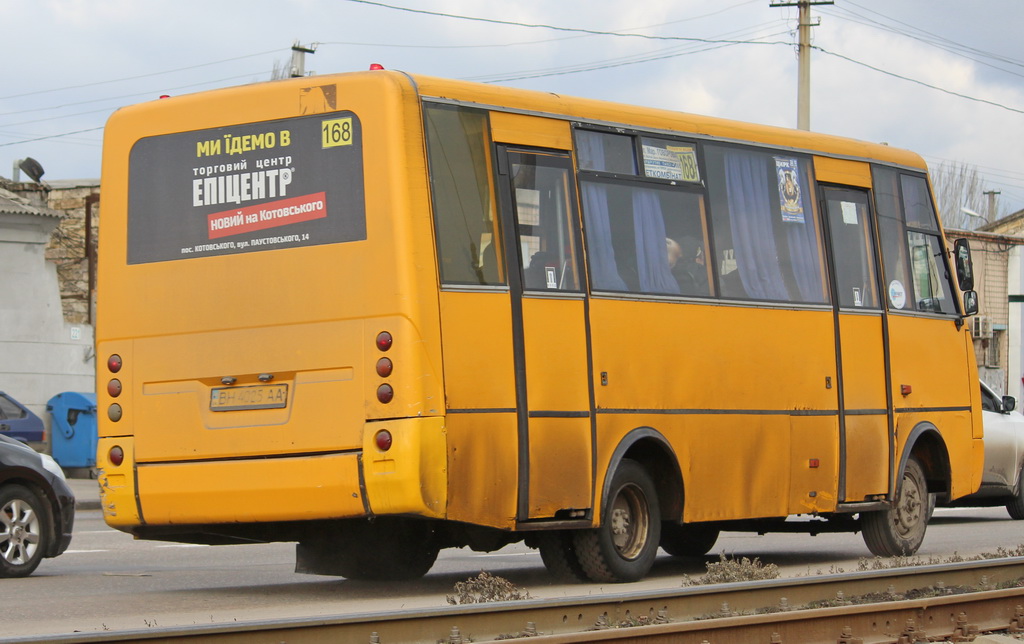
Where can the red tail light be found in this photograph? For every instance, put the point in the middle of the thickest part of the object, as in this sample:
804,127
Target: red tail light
114,387
114,363
385,393
383,440
385,367
116,455
384,340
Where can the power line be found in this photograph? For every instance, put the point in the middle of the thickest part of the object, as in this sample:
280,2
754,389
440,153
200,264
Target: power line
593,32
918,82
128,78
52,136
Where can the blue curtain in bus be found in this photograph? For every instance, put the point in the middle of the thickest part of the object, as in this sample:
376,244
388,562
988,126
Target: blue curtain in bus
604,272
651,251
803,249
750,218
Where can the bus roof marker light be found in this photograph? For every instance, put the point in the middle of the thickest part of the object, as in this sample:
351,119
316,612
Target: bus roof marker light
384,340
376,67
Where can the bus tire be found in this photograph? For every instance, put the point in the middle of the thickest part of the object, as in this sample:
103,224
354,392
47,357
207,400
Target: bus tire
688,539
25,532
385,549
899,530
558,553
1016,505
623,547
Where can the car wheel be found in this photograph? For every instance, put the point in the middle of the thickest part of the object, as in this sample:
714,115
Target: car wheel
1016,505
899,530
25,529
623,547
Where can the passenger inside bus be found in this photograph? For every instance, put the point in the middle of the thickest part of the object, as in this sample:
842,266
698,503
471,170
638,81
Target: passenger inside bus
686,259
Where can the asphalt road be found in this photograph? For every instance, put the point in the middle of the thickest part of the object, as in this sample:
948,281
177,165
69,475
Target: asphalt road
108,581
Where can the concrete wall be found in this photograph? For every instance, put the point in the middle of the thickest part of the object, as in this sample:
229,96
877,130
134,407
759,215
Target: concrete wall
41,355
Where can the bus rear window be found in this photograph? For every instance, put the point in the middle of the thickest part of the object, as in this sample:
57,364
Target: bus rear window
242,188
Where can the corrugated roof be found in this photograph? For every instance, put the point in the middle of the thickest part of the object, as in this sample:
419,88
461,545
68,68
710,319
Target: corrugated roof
12,204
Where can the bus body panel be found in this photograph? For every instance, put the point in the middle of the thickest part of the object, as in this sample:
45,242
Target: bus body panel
483,450
920,350
303,318
558,397
668,358
842,171
251,490
866,445
411,477
688,344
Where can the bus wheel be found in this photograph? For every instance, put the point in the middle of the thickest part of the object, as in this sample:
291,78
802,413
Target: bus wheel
688,539
559,555
899,530
1016,505
386,549
624,546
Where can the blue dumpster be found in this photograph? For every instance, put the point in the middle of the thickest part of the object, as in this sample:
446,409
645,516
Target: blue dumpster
73,435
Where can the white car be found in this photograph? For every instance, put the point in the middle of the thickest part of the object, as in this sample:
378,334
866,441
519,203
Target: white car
1004,456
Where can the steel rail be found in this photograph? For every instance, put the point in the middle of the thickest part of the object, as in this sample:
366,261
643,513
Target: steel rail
773,611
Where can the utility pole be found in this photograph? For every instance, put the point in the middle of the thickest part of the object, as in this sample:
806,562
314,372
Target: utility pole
992,203
803,93
298,68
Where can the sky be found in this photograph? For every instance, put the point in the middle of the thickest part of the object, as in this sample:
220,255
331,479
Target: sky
943,78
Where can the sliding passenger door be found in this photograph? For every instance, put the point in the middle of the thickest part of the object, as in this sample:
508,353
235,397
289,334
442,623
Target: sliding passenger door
865,445
541,228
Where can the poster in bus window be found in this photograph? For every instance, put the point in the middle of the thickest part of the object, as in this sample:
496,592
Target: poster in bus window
790,192
245,188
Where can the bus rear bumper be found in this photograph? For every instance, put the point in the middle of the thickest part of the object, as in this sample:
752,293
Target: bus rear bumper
279,489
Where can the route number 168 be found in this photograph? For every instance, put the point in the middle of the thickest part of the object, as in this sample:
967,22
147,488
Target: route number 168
336,132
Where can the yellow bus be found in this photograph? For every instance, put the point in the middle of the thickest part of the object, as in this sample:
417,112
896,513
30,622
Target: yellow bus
380,314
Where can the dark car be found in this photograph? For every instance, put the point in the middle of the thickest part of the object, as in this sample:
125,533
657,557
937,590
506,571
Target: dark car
37,508
17,421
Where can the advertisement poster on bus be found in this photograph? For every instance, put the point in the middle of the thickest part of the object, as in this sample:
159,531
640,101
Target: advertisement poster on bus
244,188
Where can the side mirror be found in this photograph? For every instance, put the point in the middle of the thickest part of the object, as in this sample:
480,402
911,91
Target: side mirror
1009,404
970,303
964,264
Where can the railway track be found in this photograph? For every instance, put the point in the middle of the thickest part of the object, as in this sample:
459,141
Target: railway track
943,602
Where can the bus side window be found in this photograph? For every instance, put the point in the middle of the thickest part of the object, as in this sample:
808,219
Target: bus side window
544,222
915,272
766,234
468,234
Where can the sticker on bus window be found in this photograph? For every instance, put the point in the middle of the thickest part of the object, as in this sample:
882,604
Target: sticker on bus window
673,162
897,294
790,195
245,188
849,210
